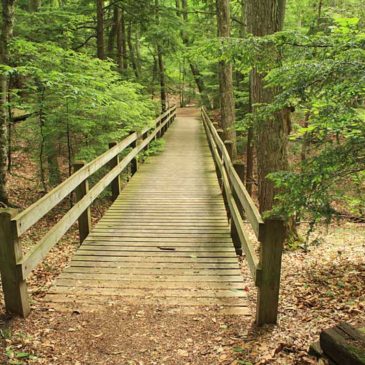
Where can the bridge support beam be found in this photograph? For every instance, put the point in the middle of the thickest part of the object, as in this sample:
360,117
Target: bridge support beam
14,287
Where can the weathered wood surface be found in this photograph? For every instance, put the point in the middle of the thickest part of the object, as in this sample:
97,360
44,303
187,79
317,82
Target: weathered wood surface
165,240
344,345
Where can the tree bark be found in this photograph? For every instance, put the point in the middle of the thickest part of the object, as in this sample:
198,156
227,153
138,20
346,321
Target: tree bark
100,29
8,7
131,52
266,17
227,104
161,65
161,69
113,31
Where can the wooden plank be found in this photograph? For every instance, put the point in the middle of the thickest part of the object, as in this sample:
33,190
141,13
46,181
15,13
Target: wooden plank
153,254
149,276
167,271
168,248
163,265
187,260
102,281
226,296
343,344
147,243
160,239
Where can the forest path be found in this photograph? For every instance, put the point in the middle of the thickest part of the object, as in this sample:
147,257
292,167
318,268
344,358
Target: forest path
165,241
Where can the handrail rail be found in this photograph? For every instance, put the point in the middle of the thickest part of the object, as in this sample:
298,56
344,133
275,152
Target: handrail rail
222,164
265,269
24,220
40,208
245,199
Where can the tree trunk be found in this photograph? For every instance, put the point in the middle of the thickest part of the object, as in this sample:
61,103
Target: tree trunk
122,56
161,69
131,52
113,31
8,7
266,17
225,77
100,29
161,66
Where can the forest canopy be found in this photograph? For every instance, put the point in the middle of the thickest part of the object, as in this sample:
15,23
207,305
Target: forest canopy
288,92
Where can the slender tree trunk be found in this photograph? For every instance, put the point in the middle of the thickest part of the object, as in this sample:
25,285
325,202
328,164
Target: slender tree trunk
54,174
131,52
161,65
266,17
121,42
100,29
225,77
161,69
113,31
124,40
10,126
8,7
119,35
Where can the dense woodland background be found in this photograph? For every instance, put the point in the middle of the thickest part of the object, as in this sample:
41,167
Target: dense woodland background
287,85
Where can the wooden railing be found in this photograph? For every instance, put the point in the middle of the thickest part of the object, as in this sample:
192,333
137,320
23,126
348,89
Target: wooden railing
14,267
266,267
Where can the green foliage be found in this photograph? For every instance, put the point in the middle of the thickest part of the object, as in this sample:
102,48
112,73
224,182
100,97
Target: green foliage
76,100
328,83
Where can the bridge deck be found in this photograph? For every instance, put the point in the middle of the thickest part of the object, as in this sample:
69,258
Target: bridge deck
165,240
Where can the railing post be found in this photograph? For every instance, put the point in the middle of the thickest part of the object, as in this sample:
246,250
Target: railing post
14,287
115,185
134,162
229,147
240,169
272,240
85,218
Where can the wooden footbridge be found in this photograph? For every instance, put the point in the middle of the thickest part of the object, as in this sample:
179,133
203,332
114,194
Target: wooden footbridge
170,238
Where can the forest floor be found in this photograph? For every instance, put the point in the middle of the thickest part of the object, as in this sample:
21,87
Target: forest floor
320,287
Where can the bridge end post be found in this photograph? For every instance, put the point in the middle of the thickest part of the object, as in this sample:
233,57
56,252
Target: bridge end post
272,239
14,286
85,218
